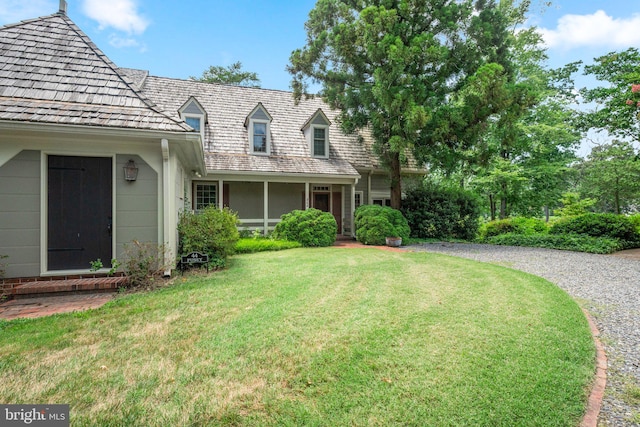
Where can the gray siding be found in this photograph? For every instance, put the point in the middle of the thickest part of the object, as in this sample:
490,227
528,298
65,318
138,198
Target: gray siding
136,204
284,198
246,198
192,108
20,214
260,115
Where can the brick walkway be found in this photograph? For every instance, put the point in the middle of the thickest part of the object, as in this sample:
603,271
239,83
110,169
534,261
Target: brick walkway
46,306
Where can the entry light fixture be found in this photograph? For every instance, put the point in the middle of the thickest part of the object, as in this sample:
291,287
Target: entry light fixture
130,171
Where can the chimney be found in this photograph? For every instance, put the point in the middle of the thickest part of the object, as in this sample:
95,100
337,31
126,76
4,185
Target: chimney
63,7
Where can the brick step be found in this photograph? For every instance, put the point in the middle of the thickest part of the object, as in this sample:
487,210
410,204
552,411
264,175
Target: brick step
66,287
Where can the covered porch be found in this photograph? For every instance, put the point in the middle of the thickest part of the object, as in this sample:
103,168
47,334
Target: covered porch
260,201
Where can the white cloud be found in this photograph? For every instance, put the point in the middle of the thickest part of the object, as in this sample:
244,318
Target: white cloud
126,42
595,30
12,11
118,14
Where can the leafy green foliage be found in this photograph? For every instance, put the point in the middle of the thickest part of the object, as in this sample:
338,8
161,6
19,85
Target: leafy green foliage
611,175
569,242
310,227
231,75
517,225
211,231
573,205
620,71
438,212
375,223
252,245
422,77
598,225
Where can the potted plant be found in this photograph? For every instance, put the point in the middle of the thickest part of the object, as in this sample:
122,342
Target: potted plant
394,241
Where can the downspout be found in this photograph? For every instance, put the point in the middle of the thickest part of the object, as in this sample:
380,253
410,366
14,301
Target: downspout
168,229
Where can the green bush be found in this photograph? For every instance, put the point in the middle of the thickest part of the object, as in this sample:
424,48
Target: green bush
310,227
375,223
442,213
570,242
518,225
211,231
598,225
252,245
635,220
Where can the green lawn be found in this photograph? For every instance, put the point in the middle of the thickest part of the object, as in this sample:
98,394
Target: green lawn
325,337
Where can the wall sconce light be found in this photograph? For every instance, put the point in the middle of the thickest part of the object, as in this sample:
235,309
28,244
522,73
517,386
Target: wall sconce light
130,171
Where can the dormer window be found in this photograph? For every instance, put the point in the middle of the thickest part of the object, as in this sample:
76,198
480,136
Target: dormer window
316,130
258,124
194,115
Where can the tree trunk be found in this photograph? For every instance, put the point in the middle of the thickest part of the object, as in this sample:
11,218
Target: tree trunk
396,181
546,213
503,208
492,207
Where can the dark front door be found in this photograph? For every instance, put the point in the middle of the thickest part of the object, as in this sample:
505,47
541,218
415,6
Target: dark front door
79,209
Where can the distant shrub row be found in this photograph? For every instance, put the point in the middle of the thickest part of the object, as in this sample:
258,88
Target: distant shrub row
591,232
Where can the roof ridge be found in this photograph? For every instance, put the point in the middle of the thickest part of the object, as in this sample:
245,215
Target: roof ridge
225,85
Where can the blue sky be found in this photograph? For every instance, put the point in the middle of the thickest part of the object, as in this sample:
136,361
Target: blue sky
182,38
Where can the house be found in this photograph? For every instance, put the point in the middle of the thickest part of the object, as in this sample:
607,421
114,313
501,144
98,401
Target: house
93,156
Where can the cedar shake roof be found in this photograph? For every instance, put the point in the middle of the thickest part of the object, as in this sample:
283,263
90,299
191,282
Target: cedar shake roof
226,142
51,72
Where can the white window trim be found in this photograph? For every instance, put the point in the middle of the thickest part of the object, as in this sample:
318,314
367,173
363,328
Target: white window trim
251,147
196,116
362,202
326,140
195,193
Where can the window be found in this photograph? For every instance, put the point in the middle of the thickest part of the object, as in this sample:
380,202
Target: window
358,199
260,137
316,132
194,122
382,202
319,142
258,124
206,195
194,115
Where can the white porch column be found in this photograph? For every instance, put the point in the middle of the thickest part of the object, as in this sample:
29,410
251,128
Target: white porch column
266,208
353,208
220,194
369,199
306,195
169,225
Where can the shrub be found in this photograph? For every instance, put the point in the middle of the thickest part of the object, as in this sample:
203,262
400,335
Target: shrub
310,227
442,213
375,223
518,225
571,242
212,231
598,225
635,220
144,263
252,245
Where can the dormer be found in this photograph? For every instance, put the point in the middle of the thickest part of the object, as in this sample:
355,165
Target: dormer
316,131
194,115
258,124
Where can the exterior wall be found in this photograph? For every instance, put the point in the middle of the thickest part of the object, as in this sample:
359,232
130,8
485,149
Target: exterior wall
136,204
284,198
246,198
20,214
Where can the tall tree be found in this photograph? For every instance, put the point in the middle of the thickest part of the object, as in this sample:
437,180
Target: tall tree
419,75
230,75
611,175
617,103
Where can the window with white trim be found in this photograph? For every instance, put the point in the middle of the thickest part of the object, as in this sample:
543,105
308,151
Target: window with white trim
194,115
260,137
206,195
258,124
358,199
320,145
194,121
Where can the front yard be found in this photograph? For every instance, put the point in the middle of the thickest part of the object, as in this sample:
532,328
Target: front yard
315,337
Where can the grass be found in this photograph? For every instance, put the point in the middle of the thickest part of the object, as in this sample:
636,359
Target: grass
321,337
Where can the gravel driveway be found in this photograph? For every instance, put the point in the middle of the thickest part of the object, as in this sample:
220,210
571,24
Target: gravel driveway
608,286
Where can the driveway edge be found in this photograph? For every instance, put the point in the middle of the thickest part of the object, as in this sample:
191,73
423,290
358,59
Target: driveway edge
594,403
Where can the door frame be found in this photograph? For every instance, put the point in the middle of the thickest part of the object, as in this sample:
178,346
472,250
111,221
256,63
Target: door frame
44,209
